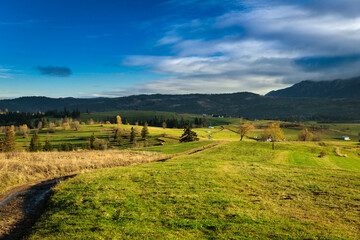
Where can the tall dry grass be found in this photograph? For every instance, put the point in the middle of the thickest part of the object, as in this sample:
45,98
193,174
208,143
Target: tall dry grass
24,167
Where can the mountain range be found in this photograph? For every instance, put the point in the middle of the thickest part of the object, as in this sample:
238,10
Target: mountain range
348,88
337,100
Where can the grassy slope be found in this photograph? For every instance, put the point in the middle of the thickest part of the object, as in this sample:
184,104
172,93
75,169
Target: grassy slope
235,190
106,131
218,133
175,148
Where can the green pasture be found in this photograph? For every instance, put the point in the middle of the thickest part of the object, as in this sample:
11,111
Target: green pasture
149,115
236,190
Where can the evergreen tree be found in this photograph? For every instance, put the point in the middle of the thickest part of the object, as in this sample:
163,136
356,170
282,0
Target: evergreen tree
9,140
47,146
188,135
92,140
133,136
118,136
34,143
1,143
45,123
145,132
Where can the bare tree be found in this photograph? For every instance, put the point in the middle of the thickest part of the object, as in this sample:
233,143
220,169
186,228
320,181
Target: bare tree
76,125
24,131
245,129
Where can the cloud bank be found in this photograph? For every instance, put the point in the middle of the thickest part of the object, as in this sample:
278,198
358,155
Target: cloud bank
258,46
54,71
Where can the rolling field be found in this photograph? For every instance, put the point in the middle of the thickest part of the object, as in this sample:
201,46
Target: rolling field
148,115
237,190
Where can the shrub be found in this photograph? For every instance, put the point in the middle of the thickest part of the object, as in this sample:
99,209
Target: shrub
100,144
52,128
47,146
305,135
76,125
86,146
66,147
322,154
317,138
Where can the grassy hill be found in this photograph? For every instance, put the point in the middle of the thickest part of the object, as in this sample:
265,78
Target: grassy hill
328,132
238,190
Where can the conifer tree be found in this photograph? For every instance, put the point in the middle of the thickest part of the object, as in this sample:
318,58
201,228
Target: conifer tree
47,146
188,135
34,143
45,123
118,136
145,132
92,140
1,143
9,140
133,136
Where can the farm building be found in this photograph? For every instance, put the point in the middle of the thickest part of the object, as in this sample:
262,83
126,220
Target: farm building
346,138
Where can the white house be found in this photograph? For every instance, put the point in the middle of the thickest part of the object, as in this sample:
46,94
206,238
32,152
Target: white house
345,138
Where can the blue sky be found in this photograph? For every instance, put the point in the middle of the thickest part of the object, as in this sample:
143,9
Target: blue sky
111,48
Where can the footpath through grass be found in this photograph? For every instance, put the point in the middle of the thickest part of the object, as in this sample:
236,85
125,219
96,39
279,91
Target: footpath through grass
175,148
237,190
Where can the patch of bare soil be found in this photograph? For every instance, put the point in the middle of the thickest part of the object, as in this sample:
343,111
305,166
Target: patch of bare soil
23,205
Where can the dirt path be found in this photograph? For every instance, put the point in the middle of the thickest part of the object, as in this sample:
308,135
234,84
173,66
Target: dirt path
21,206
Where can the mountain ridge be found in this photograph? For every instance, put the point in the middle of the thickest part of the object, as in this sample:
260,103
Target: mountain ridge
338,88
244,104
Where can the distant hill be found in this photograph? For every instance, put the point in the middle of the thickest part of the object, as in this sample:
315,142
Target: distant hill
349,88
245,104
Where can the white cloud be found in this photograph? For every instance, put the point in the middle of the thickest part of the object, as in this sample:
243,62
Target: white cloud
256,49
5,72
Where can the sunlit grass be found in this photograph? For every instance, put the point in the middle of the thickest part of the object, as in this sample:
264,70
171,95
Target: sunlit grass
237,190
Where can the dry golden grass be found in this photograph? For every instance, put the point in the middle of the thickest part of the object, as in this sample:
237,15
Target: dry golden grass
23,167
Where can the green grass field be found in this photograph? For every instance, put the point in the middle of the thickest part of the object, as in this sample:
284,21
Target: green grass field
175,148
221,130
148,115
238,190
